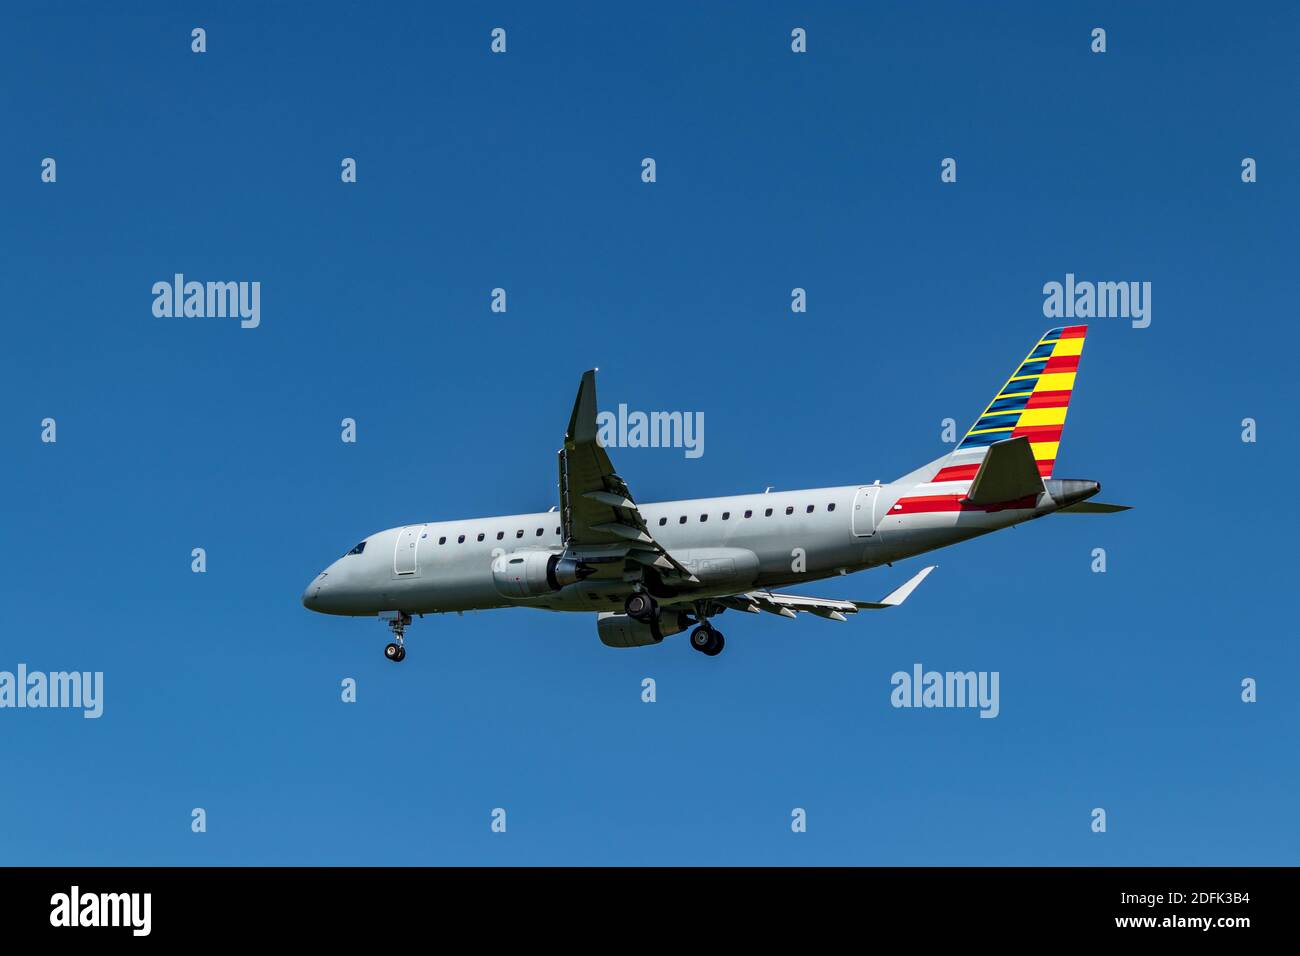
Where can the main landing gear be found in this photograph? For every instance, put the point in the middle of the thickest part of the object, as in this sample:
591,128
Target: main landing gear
640,606
396,651
708,640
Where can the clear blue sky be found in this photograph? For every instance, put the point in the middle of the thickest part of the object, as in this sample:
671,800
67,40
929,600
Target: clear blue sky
1119,690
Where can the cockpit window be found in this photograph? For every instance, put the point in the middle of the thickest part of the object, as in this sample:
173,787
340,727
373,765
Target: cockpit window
358,549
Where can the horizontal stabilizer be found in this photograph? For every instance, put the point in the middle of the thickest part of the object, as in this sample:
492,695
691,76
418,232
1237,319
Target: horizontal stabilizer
1008,473
1093,508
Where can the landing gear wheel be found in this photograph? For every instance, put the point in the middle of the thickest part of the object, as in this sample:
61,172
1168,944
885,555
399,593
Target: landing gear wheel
640,606
396,621
706,640
702,638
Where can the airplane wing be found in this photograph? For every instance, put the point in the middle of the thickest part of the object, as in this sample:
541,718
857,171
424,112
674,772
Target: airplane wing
597,513
788,605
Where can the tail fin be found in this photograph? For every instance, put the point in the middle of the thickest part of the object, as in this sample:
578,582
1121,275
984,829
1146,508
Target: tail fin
1031,404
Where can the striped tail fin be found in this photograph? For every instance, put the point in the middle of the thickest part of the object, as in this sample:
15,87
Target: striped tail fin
1032,404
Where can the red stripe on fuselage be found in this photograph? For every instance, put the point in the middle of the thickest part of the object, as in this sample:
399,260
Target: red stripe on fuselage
929,504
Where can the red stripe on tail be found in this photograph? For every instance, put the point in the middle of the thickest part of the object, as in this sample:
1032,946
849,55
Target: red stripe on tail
1048,399
1039,432
957,473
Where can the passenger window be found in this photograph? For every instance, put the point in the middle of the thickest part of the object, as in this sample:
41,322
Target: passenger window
831,506
749,514
662,522
726,515
557,530
480,535
461,539
810,508
519,533
682,520
767,513
539,532
500,535
704,517
789,509
442,540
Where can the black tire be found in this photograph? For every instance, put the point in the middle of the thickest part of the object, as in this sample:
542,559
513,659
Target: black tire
393,653
719,642
640,606
702,638
401,653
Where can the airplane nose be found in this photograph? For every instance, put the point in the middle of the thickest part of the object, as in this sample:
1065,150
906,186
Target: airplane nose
311,596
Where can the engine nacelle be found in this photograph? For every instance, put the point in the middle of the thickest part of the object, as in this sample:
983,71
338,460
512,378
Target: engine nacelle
618,630
534,573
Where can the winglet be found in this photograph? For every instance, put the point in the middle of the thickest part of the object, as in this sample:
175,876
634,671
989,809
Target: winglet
582,423
898,595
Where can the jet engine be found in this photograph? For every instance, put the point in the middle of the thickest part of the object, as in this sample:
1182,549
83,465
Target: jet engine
535,573
618,630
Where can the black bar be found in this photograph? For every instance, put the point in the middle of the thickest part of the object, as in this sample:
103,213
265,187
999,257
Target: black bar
538,906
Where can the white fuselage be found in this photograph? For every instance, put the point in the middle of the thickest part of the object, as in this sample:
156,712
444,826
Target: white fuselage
734,543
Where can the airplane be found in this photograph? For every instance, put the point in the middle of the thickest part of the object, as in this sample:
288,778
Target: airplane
649,571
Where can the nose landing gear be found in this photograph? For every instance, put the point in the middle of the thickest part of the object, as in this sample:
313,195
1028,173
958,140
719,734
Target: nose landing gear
397,621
